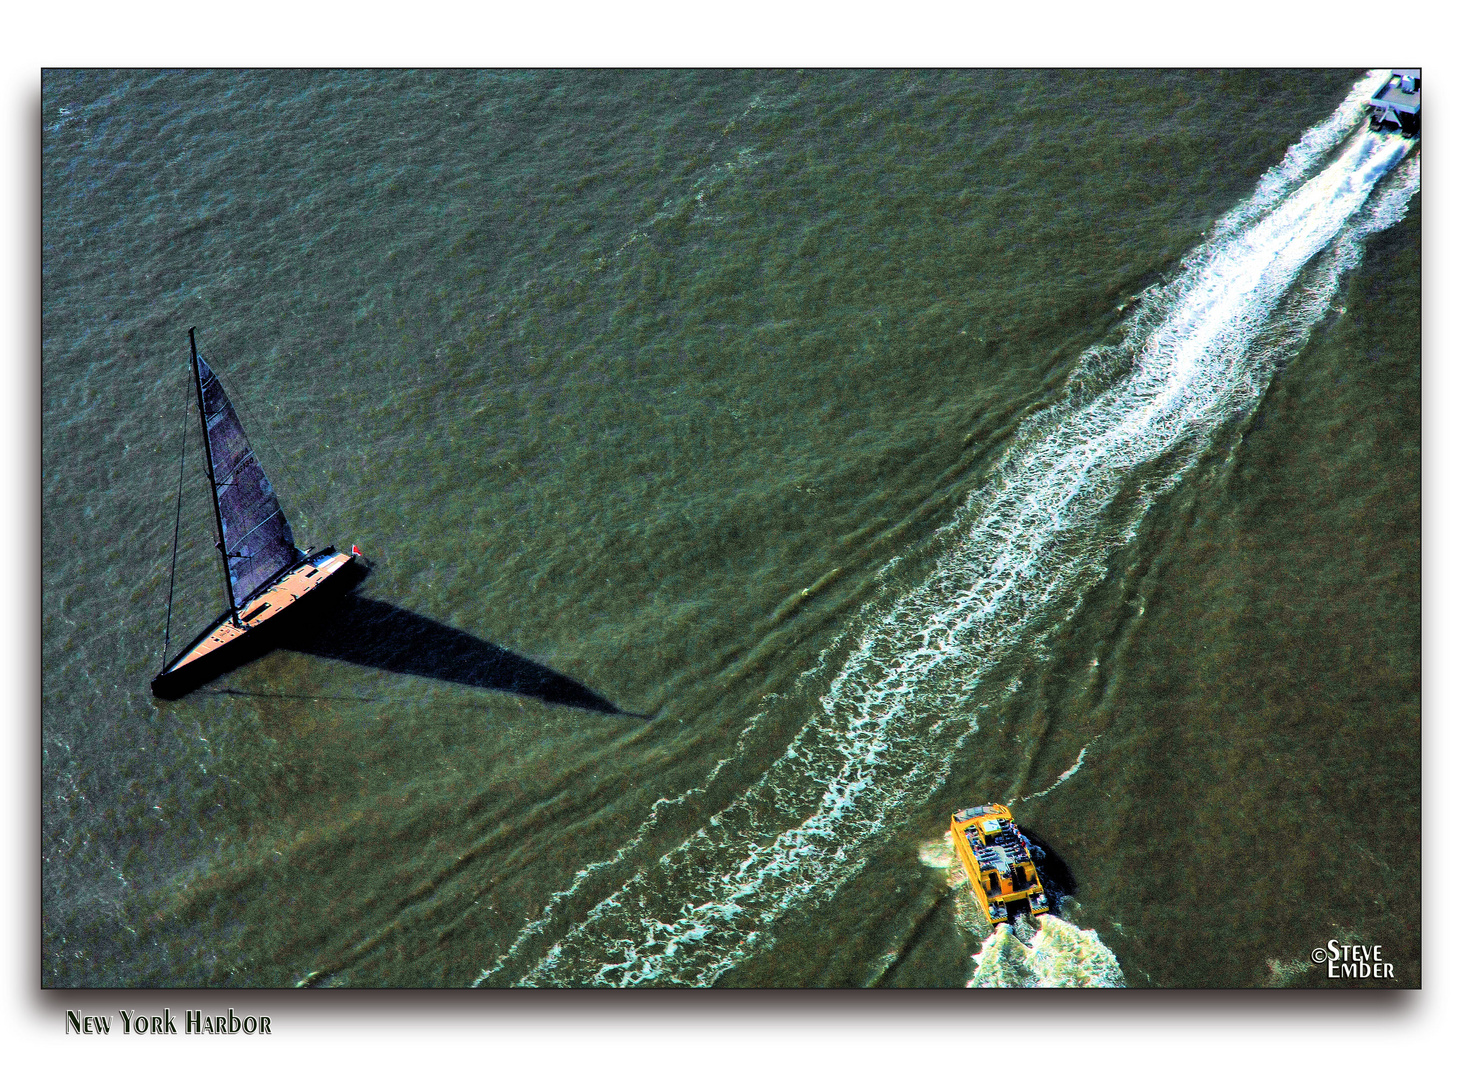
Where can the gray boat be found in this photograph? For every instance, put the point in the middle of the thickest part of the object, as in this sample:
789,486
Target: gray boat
1398,103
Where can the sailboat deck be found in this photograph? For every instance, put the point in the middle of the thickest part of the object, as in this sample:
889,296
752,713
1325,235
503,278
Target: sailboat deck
266,605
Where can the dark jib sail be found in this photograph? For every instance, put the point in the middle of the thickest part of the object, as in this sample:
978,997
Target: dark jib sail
256,535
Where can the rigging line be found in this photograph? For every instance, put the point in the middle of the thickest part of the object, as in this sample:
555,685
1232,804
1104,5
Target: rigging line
176,531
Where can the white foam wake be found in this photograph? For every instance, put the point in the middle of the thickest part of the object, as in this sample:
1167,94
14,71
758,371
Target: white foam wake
1014,560
1058,954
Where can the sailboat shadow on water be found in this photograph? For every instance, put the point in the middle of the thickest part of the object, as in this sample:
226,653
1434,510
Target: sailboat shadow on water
375,634
372,633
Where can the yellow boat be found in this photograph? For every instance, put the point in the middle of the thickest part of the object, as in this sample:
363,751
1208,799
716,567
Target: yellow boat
998,862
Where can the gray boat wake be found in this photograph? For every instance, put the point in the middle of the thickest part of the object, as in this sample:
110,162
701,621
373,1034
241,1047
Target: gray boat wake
900,703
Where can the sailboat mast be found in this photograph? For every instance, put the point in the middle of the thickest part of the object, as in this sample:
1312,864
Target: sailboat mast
212,481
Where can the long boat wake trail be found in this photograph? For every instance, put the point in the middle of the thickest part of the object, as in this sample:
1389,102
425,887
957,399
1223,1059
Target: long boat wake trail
1014,561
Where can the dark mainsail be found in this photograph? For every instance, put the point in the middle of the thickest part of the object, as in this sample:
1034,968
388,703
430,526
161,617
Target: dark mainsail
256,535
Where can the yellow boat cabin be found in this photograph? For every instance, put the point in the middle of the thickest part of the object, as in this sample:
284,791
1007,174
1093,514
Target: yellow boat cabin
998,862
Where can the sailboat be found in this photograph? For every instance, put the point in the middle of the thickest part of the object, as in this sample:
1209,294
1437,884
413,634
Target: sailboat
267,579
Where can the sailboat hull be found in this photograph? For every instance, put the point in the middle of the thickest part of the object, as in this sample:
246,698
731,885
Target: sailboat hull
228,643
